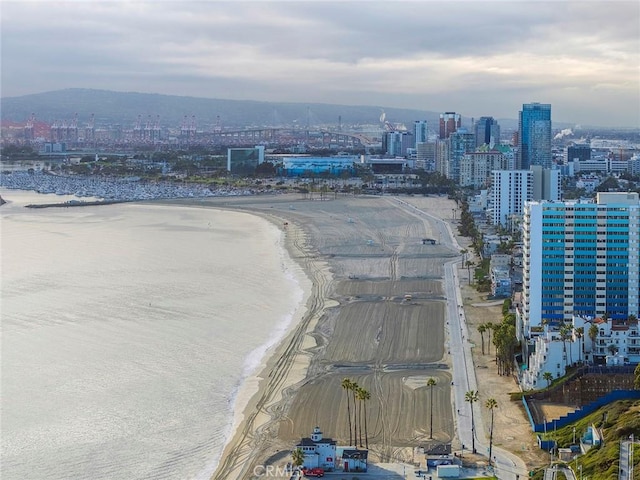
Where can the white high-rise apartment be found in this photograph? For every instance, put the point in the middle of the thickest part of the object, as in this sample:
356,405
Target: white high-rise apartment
510,189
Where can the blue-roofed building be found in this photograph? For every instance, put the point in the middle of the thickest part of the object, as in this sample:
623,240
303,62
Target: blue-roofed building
304,166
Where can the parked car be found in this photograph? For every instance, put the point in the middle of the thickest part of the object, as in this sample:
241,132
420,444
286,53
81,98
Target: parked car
313,472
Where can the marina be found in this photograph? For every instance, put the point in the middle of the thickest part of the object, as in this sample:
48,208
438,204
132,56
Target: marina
113,189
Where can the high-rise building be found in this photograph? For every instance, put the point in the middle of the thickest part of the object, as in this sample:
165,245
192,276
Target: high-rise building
578,151
580,258
510,190
547,184
449,123
476,167
397,143
487,132
426,156
420,133
534,136
460,142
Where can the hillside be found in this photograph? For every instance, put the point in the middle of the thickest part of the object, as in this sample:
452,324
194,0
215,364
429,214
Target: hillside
124,107
617,421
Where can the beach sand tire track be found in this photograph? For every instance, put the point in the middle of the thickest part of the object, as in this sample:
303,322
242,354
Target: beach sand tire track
242,456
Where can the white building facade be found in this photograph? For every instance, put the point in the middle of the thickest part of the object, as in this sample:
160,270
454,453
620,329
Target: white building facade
510,190
318,452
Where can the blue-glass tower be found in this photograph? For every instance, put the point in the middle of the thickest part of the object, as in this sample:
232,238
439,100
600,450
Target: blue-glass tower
534,136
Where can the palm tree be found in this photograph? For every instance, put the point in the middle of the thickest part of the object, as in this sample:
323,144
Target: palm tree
297,457
472,396
464,252
364,395
491,404
360,393
482,328
489,328
548,376
564,336
354,392
346,385
469,265
593,334
636,381
579,333
431,383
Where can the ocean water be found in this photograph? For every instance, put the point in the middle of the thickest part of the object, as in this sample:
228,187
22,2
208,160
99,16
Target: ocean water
127,331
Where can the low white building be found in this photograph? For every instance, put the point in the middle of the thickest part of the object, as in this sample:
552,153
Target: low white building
550,354
318,452
354,460
616,342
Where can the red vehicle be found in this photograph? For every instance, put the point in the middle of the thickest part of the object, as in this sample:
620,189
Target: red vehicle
313,472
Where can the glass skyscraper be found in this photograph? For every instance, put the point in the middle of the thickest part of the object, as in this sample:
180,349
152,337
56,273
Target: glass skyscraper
487,132
534,136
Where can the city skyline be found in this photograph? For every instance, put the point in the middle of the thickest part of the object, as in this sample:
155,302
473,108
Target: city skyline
479,58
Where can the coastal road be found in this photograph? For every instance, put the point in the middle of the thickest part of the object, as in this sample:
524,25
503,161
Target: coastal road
507,466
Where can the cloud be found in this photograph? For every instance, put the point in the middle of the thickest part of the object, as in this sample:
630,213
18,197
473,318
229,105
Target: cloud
476,54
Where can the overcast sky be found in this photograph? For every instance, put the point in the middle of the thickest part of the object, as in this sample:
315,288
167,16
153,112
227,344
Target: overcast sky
473,57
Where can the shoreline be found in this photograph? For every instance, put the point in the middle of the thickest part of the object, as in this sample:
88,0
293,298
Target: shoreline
285,367
346,252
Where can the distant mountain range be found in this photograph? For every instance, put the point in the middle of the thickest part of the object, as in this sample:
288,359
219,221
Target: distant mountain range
127,107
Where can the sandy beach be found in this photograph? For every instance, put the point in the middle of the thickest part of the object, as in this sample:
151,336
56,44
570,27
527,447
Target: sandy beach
363,255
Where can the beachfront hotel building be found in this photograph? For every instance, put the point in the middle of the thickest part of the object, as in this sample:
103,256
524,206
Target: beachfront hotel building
580,259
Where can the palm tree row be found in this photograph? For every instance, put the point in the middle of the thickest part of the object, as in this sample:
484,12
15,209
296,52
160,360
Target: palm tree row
486,328
505,341
359,396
